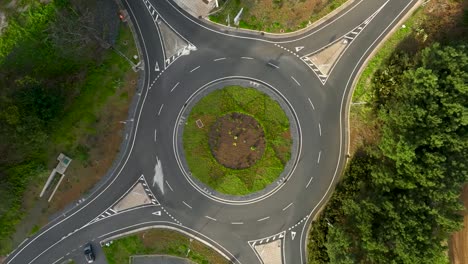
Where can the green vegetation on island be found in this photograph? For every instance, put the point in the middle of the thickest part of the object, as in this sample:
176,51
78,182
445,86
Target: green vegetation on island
161,242
273,16
249,101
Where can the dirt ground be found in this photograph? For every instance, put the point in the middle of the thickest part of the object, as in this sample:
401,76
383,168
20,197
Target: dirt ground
458,244
237,141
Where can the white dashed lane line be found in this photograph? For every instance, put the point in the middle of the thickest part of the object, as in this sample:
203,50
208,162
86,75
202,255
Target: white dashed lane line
211,218
237,223
177,84
311,178
160,109
186,204
169,186
273,65
310,101
287,206
155,134
294,79
319,155
263,219
194,69
320,129
247,58
218,59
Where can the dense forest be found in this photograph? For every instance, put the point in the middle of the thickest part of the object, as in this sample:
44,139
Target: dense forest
49,54
398,201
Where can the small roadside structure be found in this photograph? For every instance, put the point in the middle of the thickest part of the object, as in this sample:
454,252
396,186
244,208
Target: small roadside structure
61,167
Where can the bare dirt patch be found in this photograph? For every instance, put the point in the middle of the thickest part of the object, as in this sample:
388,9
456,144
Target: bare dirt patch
237,140
458,243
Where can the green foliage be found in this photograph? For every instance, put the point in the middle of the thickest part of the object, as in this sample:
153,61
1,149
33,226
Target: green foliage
160,242
249,101
49,100
407,202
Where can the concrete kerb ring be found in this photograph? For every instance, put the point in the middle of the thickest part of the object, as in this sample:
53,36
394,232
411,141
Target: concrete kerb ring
295,128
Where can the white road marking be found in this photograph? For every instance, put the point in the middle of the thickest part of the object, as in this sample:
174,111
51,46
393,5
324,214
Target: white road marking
57,260
247,58
155,134
320,154
187,204
299,48
169,186
311,178
262,219
320,129
271,64
218,59
287,206
158,213
295,80
211,218
158,177
293,235
156,67
177,84
237,223
310,101
160,109
194,69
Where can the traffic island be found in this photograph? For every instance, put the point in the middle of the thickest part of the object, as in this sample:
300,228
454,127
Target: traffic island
235,142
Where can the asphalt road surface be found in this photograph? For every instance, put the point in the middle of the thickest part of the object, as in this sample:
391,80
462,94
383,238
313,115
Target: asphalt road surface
192,57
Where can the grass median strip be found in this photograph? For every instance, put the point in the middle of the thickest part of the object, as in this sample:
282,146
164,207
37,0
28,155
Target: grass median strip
160,242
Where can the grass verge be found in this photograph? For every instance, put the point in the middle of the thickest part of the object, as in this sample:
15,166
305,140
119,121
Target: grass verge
248,101
274,16
161,242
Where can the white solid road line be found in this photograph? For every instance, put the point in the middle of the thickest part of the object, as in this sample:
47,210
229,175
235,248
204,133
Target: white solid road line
187,204
194,69
320,154
262,219
296,82
160,109
287,206
169,186
218,59
247,58
310,101
311,178
177,84
211,218
271,64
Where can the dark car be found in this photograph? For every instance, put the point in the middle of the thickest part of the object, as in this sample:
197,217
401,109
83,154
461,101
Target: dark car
89,253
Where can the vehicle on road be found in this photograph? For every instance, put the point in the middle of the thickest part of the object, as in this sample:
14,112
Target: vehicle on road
89,253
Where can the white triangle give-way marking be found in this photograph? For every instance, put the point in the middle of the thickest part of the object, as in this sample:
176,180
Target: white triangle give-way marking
299,48
156,67
293,235
158,213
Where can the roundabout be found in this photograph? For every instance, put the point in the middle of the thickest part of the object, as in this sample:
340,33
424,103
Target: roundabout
184,60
